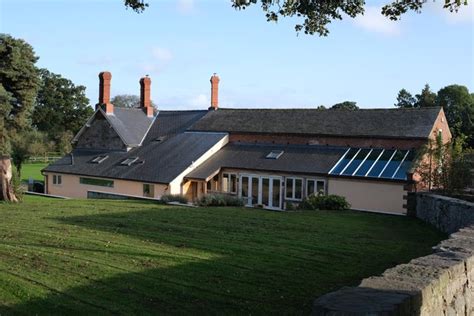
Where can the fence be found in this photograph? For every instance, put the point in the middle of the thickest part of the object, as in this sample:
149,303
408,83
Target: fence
46,158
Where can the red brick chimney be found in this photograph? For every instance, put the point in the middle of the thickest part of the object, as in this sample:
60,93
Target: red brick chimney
214,92
145,101
104,92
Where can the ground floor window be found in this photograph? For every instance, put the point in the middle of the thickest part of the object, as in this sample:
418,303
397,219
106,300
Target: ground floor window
97,182
148,190
229,182
314,186
294,188
212,185
57,179
261,190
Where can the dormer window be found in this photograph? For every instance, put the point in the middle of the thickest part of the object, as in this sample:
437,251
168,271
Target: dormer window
99,159
129,161
274,154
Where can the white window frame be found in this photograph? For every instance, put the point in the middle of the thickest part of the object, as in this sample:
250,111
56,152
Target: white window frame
57,179
315,185
248,198
293,198
229,175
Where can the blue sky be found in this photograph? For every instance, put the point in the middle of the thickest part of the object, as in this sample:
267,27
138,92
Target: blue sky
181,43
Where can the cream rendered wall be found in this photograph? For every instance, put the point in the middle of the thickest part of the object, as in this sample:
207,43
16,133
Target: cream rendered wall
71,187
370,195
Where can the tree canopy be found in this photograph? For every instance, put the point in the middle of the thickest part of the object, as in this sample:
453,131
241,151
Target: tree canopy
315,15
19,77
127,101
346,105
60,105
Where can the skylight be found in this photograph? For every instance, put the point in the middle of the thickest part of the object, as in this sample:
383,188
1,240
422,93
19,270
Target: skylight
129,161
99,159
374,163
274,154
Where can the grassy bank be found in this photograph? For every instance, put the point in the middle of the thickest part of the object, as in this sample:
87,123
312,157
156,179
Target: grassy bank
106,257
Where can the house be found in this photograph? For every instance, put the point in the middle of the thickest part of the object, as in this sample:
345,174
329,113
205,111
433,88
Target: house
268,157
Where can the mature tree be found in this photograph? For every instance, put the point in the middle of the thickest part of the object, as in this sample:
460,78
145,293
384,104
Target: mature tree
321,107
19,77
346,105
405,99
127,101
458,105
317,14
26,144
6,101
61,106
425,98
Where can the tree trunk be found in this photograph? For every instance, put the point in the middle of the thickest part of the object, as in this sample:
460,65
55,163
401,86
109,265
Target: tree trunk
6,187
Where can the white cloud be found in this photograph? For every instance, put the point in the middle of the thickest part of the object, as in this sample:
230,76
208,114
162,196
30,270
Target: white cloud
200,101
374,21
162,54
185,6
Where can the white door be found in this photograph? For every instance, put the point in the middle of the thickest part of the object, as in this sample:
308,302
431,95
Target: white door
261,190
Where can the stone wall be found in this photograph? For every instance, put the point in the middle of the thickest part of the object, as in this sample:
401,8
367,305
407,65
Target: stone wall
438,284
445,213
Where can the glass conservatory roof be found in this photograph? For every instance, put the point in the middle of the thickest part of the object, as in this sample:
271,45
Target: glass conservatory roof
374,163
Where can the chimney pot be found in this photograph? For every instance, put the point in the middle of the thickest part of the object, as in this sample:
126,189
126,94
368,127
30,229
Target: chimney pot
214,92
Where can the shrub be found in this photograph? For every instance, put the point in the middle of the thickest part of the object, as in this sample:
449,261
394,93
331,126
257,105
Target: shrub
220,200
324,202
174,198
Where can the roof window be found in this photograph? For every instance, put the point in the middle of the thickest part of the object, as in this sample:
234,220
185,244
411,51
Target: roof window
274,154
129,161
99,159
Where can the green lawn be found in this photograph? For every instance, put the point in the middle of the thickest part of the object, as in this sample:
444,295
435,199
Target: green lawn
117,257
32,170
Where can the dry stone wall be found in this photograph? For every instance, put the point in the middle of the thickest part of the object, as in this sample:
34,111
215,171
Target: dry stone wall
438,284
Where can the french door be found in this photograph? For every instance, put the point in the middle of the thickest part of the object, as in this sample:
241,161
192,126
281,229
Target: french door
261,190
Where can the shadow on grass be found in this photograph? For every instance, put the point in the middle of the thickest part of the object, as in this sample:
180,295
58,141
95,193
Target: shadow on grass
260,263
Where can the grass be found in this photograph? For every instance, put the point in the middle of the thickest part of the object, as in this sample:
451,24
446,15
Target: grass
32,170
117,257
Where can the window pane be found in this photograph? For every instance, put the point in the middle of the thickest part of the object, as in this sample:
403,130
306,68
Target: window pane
298,188
233,183
254,190
98,182
60,180
245,186
402,172
276,193
310,187
368,162
320,187
209,185
380,164
265,191
54,179
225,182
148,190
343,163
393,164
289,188
356,162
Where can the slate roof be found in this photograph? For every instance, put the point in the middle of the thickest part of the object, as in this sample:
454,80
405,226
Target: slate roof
132,124
308,159
387,123
158,161
169,123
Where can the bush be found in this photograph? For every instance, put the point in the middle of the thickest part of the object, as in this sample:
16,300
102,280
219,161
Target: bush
324,202
220,200
174,198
